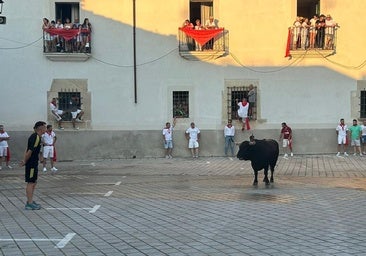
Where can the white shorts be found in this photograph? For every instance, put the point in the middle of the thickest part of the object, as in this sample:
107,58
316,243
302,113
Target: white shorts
3,151
285,143
341,140
356,143
193,144
75,114
168,144
48,151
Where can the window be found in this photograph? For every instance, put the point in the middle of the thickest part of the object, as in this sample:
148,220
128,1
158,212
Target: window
200,9
67,10
64,99
363,104
308,8
181,104
235,95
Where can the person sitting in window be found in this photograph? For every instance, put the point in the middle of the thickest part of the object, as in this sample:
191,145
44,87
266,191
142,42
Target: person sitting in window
76,111
58,113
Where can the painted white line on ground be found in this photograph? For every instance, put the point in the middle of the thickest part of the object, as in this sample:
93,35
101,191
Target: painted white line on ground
118,183
100,183
91,210
64,241
108,193
94,209
86,193
92,164
61,242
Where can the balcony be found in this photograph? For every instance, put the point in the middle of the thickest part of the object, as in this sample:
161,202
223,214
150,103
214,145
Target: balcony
203,44
309,43
67,44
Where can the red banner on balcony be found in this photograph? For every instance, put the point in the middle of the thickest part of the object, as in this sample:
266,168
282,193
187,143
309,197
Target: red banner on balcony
202,36
67,34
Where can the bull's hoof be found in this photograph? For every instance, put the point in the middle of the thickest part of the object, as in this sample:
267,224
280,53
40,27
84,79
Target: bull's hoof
272,180
255,183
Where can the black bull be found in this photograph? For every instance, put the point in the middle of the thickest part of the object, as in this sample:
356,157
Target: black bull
263,154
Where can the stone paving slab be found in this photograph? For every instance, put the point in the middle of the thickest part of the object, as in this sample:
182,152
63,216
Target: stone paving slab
183,206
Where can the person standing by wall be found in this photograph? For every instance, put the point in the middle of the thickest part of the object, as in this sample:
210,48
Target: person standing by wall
355,134
286,136
363,138
4,147
30,160
168,138
193,135
49,139
252,95
342,134
229,133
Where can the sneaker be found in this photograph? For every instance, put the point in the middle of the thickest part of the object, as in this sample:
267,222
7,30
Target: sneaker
292,154
54,169
78,120
361,154
34,202
9,166
44,169
345,153
166,156
170,156
59,119
0,168
285,155
32,206
76,128
338,154
354,154
61,128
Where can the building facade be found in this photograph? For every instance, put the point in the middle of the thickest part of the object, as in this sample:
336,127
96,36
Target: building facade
139,70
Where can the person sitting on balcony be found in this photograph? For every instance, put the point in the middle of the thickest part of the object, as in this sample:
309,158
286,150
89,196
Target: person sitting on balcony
330,25
58,113
198,26
46,36
86,28
76,41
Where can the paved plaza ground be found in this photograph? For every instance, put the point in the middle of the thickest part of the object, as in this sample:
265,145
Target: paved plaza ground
184,206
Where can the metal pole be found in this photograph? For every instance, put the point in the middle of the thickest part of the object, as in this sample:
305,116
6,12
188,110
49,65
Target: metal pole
134,50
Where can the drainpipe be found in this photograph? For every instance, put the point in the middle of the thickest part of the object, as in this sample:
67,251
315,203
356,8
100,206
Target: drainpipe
134,51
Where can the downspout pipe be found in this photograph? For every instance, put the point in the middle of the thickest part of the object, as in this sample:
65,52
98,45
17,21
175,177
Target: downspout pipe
134,52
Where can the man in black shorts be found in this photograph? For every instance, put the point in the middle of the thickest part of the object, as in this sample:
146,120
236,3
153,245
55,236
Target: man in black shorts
31,158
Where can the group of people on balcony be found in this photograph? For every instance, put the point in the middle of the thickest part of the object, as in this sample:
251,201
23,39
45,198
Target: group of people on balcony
318,32
209,24
57,43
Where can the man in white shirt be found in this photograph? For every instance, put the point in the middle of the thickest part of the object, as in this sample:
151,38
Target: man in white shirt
342,133
168,138
229,133
49,139
193,135
4,147
56,112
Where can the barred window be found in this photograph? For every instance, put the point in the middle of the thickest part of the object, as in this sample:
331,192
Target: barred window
181,104
235,95
363,104
64,99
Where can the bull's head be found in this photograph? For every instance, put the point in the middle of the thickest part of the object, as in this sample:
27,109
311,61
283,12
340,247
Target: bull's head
245,149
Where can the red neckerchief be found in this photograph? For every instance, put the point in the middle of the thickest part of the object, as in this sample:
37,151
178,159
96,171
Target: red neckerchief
53,103
342,125
49,132
168,129
2,132
244,103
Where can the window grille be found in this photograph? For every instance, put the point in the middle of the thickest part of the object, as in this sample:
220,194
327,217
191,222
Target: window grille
64,99
363,104
181,104
235,95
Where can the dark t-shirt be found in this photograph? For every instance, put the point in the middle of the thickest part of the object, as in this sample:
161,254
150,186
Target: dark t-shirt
34,144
